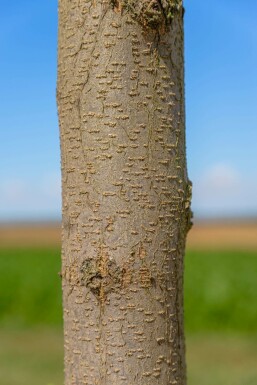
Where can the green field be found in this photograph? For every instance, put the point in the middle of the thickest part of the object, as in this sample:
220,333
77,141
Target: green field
220,317
220,291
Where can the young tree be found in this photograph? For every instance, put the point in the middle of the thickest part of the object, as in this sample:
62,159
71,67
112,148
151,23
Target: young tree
126,194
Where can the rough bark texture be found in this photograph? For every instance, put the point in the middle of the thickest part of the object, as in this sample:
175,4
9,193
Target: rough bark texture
126,195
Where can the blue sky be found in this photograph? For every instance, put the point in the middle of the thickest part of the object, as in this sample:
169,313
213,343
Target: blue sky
221,100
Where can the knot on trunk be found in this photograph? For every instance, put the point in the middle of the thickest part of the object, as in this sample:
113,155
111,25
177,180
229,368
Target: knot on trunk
101,276
189,212
155,15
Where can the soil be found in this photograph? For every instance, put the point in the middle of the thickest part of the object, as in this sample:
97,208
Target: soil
218,235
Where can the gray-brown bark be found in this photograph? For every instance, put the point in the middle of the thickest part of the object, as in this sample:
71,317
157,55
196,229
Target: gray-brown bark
126,195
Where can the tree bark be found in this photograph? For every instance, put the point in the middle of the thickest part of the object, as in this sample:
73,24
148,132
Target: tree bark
126,194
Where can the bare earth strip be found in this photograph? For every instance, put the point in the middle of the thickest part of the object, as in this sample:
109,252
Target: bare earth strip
37,234
214,236
206,235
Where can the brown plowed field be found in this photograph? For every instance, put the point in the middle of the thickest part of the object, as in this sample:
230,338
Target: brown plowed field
238,235
207,235
30,235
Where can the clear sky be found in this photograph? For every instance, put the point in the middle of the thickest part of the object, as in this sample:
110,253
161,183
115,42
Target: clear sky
221,100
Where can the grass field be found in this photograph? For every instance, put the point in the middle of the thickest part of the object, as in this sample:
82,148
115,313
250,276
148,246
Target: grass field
220,315
35,357
220,289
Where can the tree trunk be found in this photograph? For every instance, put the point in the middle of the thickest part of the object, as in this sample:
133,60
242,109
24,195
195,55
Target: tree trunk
126,194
